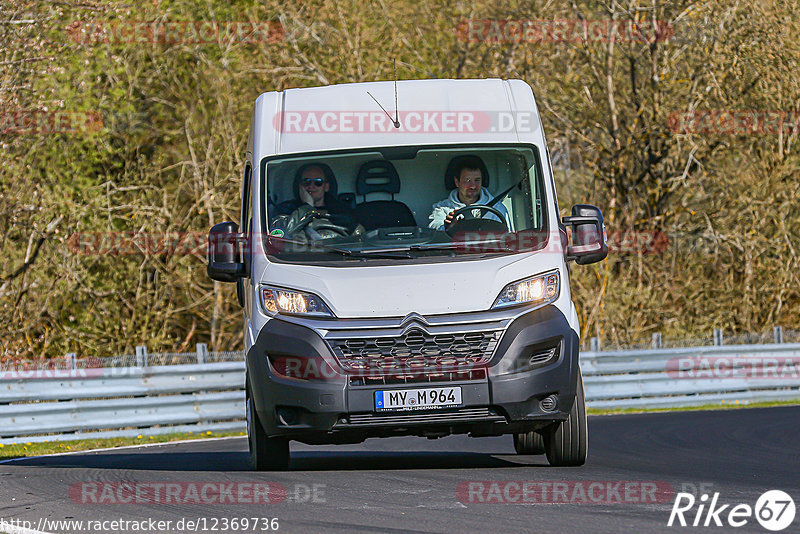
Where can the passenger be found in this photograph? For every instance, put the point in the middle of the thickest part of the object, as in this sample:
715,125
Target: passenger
468,178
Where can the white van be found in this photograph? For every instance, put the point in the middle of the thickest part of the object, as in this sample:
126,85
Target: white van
403,269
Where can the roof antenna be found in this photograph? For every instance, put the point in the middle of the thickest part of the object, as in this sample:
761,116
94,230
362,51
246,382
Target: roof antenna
396,109
396,119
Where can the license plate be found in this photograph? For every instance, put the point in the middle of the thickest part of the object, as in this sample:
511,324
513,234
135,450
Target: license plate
417,399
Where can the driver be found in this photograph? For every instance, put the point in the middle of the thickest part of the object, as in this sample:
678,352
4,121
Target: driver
468,178
312,186
315,199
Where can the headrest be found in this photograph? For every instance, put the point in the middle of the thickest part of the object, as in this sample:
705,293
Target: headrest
334,189
458,163
377,176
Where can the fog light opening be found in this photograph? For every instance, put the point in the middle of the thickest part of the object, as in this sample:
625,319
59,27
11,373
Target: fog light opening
287,416
549,403
542,357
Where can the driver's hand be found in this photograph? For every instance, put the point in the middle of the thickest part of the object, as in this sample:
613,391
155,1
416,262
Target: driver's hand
305,197
449,218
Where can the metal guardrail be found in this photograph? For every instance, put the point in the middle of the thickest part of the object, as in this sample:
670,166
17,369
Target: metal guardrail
696,376
97,383
83,403
80,402
716,337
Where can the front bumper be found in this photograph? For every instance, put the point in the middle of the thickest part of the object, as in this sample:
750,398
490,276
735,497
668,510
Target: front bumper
328,406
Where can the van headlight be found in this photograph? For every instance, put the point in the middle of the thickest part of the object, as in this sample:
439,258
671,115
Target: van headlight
276,300
542,289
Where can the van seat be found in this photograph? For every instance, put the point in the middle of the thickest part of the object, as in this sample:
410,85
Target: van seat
348,199
380,176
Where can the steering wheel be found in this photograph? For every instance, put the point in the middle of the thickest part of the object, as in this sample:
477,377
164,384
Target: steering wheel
301,218
308,223
323,228
462,216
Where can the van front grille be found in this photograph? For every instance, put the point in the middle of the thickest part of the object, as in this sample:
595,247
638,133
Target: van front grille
444,417
419,378
416,357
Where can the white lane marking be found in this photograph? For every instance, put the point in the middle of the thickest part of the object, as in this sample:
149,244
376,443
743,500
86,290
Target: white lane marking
143,446
8,528
442,506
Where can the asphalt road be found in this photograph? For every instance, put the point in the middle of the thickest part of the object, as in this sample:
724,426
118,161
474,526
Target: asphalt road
636,465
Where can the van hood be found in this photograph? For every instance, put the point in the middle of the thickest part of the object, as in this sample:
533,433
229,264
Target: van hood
397,290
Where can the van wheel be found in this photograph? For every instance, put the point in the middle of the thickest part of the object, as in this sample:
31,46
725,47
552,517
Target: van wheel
266,454
566,443
529,442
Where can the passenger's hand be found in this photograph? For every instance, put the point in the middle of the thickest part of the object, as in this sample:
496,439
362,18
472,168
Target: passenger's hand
449,219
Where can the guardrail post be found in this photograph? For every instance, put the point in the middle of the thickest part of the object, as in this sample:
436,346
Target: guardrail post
594,344
202,352
778,333
718,337
72,361
141,356
657,340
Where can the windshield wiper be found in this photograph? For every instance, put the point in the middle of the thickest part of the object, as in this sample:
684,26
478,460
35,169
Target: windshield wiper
371,253
462,247
466,246
406,251
319,247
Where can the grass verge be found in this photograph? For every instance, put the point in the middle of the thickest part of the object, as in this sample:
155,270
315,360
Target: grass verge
23,448
719,406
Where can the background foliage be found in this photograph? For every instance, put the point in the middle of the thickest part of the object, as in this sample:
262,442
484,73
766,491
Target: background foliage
168,157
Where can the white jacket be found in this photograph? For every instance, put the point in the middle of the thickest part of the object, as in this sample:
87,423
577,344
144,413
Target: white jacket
443,208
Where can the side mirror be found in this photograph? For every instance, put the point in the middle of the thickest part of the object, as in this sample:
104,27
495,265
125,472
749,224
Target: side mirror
224,257
588,235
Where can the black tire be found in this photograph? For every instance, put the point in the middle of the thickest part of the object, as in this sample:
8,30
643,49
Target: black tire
567,443
529,442
266,454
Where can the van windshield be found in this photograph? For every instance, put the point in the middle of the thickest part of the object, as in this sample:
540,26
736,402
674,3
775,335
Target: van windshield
404,203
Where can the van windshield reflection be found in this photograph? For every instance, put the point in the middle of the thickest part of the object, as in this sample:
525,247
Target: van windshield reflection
442,202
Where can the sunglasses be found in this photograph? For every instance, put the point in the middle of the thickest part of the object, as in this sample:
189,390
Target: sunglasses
319,182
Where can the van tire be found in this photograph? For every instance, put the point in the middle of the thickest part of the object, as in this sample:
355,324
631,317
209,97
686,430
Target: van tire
566,443
529,442
266,454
